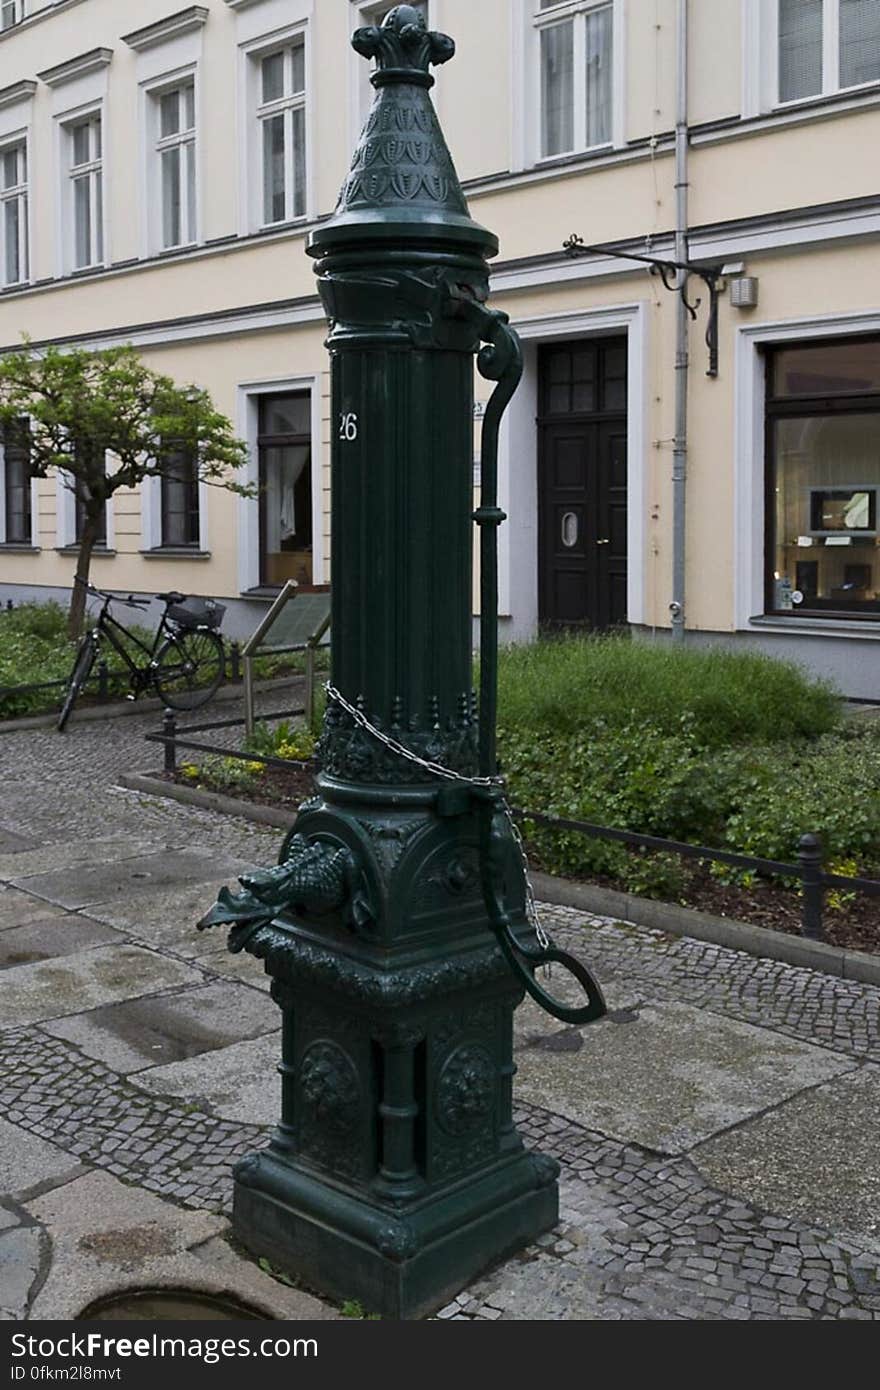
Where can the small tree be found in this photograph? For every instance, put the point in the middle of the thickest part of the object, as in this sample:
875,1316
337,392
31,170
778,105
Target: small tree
107,421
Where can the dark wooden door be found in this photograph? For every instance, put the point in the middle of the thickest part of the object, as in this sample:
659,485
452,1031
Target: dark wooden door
582,470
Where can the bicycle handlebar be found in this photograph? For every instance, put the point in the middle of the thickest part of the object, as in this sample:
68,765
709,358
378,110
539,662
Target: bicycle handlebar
130,602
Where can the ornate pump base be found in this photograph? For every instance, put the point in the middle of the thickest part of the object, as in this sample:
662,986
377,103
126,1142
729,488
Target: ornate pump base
396,1174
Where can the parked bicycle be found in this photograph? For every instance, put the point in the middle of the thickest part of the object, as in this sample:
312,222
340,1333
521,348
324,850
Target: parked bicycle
184,665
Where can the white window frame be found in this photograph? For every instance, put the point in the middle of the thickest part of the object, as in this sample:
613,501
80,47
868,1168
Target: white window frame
11,13
526,103
20,193
253,111
247,428
749,457
761,60
184,141
284,106
151,521
152,92
361,89
33,543
93,170
65,516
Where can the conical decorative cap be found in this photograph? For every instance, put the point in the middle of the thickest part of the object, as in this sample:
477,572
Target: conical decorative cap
402,181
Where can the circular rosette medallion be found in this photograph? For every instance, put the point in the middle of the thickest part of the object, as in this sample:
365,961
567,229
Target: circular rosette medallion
329,1087
466,1089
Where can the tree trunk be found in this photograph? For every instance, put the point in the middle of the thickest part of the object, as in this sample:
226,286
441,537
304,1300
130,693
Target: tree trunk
77,610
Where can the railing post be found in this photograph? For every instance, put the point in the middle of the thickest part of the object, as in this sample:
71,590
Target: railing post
235,662
812,887
103,682
169,729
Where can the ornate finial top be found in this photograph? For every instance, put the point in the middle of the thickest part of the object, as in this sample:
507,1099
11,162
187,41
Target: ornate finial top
403,47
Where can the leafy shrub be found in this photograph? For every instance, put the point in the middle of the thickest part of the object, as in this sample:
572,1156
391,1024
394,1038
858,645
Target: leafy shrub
731,697
296,743
34,648
224,774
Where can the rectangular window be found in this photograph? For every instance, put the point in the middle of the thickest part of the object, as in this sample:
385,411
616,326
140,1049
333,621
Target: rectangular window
86,192
827,46
13,214
823,449
11,12
285,465
97,468
176,153
180,500
17,483
281,115
576,57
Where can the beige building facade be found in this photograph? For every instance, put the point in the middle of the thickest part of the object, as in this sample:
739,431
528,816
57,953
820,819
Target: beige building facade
160,169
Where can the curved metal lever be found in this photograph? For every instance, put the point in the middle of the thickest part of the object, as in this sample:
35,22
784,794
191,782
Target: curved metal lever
524,960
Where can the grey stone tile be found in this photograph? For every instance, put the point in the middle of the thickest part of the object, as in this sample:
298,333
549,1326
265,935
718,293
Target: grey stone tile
101,975
169,1027
122,880
26,1160
51,937
18,908
20,1259
239,1082
814,1158
672,1077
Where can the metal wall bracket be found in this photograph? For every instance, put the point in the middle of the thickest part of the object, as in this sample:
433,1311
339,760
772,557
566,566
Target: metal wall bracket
669,273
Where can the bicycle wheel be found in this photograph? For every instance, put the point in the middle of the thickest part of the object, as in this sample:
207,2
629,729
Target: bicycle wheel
85,659
188,668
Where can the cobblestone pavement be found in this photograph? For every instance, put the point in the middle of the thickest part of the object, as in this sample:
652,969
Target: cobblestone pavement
717,1134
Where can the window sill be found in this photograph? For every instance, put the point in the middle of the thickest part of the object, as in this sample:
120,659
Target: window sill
175,552
842,627
18,548
819,99
100,552
263,591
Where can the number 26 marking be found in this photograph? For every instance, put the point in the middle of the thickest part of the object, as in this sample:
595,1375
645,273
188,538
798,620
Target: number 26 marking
348,426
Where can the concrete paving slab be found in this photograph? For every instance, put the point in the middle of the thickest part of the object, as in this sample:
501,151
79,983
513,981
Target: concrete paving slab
26,1160
52,937
108,1237
671,1077
250,1283
68,852
168,917
242,967
169,1028
11,842
532,1023
101,975
17,908
126,879
814,1158
239,1082
21,1252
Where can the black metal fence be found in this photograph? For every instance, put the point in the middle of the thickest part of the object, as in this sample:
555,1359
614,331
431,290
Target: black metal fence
809,871
173,738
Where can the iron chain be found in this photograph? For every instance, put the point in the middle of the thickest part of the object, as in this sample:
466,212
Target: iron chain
437,770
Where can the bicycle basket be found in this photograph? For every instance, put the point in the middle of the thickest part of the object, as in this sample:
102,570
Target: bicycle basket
197,612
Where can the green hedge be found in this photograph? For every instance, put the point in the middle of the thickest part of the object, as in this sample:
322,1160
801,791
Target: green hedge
726,697
730,750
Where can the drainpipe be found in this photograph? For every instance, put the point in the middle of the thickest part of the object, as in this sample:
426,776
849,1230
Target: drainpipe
679,449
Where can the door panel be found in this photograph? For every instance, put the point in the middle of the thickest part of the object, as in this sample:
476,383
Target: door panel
582,478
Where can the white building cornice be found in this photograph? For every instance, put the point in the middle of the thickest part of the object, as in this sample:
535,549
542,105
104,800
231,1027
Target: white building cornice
81,66
18,91
172,27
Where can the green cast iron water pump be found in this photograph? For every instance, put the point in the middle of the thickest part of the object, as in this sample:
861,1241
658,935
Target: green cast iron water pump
397,926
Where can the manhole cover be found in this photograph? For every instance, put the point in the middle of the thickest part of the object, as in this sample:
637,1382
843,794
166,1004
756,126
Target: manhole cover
167,1305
